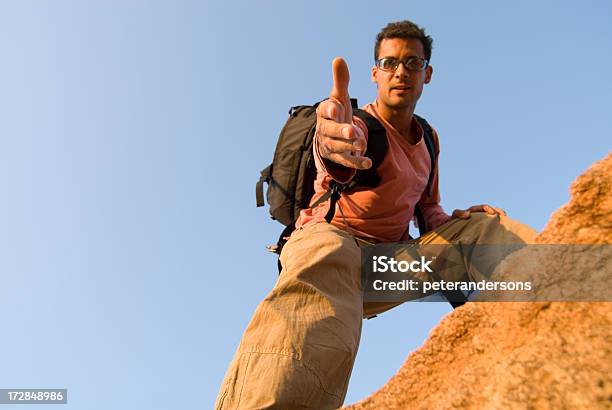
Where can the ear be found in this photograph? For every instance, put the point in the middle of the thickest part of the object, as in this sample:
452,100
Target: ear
374,71
428,73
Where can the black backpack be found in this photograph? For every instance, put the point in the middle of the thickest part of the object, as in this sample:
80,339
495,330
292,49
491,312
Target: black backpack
291,175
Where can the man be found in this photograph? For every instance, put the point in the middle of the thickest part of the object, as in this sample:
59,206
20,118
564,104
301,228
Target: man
299,348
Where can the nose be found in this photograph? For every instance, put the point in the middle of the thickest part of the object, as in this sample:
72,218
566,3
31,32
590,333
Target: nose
401,70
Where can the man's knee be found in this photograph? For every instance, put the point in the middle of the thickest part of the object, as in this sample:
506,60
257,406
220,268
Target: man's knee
482,228
498,229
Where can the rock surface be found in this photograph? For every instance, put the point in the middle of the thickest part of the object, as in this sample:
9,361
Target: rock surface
532,355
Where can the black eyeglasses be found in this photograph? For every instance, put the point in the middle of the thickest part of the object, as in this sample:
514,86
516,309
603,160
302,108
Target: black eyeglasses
411,63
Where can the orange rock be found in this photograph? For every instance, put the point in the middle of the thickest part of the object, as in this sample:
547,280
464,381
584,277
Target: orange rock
540,355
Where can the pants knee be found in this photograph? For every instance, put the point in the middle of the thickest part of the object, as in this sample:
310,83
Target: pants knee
268,379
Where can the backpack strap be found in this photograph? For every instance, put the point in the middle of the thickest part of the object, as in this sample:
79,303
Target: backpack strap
455,297
265,177
376,151
431,148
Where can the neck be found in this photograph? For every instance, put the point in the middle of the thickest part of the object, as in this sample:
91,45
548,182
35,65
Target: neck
400,119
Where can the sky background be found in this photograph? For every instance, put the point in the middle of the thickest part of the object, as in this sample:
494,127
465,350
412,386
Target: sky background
132,134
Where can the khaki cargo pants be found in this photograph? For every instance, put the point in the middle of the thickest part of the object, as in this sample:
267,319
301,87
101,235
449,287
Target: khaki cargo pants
298,350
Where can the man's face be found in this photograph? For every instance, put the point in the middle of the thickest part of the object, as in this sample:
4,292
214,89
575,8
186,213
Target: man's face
400,89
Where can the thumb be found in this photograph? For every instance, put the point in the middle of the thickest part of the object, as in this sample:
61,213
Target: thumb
339,90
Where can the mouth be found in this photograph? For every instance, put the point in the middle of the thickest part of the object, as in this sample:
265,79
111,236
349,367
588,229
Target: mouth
401,88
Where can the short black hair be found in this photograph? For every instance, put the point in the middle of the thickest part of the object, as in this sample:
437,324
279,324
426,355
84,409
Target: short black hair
404,29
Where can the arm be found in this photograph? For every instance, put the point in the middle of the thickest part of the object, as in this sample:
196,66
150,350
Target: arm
340,140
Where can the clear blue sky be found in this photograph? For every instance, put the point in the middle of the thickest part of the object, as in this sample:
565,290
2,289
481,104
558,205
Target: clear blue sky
132,134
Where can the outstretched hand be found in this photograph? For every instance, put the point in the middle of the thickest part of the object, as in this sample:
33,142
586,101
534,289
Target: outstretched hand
465,213
339,140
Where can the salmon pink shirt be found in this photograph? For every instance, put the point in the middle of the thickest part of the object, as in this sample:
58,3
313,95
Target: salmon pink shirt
382,212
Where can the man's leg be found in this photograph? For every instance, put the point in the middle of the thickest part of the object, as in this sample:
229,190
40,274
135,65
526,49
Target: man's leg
299,348
479,229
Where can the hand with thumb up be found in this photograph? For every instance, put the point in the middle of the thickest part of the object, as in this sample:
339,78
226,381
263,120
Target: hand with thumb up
339,140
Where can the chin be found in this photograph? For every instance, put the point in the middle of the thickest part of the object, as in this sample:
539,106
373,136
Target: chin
398,104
